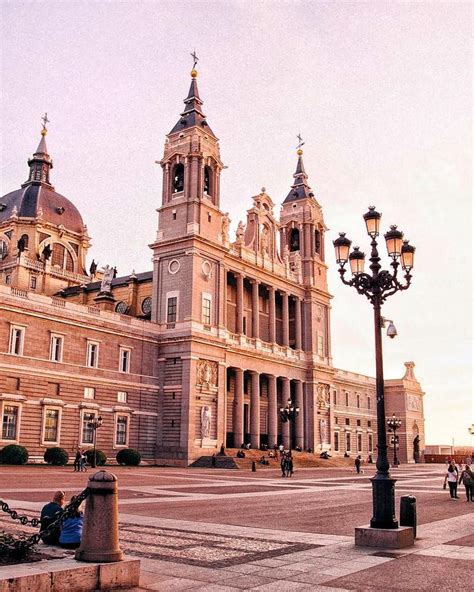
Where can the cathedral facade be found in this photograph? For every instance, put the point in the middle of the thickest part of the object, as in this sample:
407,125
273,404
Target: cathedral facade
202,350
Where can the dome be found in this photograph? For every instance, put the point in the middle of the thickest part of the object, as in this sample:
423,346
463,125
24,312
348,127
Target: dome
41,201
37,198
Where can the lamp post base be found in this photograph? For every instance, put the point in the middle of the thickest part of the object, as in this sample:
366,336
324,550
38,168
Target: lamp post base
383,496
383,538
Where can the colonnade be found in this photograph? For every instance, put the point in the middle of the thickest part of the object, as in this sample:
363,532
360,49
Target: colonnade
274,404
272,332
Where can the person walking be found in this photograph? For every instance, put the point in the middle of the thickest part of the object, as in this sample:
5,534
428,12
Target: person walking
289,465
357,463
283,463
451,478
467,479
77,460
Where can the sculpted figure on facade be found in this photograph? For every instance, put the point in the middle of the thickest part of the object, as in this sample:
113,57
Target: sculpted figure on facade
106,283
225,228
264,238
323,433
206,416
240,232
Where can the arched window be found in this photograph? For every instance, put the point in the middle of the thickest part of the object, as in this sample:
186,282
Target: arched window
25,238
178,178
208,180
294,240
317,242
62,258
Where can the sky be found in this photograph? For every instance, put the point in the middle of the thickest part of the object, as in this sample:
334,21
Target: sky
380,91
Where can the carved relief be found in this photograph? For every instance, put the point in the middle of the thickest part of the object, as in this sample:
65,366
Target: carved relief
414,403
206,373
323,432
322,400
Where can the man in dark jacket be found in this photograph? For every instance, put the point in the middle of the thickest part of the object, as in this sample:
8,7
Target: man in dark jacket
48,516
357,464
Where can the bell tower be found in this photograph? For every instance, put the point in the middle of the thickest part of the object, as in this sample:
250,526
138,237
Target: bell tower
191,175
302,232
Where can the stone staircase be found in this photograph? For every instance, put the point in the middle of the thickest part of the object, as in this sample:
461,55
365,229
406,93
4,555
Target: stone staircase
221,462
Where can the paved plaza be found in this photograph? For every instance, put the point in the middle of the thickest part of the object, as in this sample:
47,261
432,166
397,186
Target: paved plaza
198,529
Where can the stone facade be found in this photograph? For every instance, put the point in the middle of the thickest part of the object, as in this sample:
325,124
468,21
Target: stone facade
201,351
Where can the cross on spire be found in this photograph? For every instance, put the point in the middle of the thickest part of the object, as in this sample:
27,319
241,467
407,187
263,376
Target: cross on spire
195,58
45,120
300,141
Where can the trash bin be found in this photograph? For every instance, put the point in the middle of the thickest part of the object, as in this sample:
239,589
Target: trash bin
408,512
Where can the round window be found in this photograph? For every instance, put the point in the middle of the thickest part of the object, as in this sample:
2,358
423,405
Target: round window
121,307
146,306
173,266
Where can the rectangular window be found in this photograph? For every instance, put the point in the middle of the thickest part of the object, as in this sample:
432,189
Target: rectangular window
17,337
368,402
359,442
206,311
335,397
124,360
369,423
336,420
371,443
56,348
172,309
348,441
347,399
121,431
336,441
122,396
347,421
33,282
89,392
87,430
358,422
92,354
51,425
9,422
358,401
8,280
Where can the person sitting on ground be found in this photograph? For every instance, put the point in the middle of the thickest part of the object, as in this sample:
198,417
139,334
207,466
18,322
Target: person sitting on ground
370,460
346,454
248,446
263,461
271,454
48,515
240,454
71,529
298,448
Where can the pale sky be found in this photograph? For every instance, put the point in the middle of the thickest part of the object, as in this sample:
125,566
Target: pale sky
380,91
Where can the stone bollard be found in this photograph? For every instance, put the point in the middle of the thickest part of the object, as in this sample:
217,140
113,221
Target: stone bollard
254,467
100,540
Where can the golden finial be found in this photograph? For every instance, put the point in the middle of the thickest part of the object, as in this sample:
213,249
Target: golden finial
195,58
299,152
45,120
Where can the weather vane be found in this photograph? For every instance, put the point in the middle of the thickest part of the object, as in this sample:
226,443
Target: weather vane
300,141
45,120
195,58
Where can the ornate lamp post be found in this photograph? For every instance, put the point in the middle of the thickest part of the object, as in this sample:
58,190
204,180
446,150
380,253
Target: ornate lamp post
95,424
393,424
289,414
377,287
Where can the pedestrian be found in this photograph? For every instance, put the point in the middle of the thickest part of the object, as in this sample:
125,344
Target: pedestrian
357,464
289,465
281,448
49,515
77,460
83,462
283,465
71,529
467,479
451,478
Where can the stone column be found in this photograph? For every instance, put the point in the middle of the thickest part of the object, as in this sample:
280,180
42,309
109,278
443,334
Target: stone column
300,417
100,539
255,314
255,411
223,321
298,327
238,419
240,304
271,314
286,320
285,426
272,411
166,183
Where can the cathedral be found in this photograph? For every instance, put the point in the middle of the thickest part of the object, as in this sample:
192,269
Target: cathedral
202,350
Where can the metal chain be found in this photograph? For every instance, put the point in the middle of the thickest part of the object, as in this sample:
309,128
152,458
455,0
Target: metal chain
11,545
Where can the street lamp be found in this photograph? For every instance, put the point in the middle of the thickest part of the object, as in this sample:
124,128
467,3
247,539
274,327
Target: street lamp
289,414
94,424
377,287
393,424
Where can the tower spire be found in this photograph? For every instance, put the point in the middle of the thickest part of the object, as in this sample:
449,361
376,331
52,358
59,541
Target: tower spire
192,114
300,188
41,163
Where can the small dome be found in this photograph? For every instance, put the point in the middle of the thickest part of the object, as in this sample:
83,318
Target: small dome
35,199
